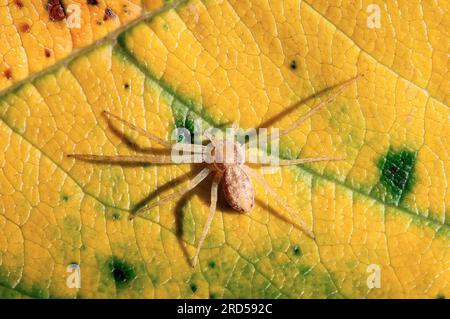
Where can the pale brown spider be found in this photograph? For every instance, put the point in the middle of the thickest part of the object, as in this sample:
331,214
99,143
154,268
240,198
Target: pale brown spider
230,171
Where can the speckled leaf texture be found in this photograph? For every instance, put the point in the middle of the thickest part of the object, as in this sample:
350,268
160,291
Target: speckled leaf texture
225,61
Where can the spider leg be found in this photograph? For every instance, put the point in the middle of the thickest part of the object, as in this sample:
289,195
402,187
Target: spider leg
319,106
119,159
192,184
304,160
143,159
139,130
212,211
280,200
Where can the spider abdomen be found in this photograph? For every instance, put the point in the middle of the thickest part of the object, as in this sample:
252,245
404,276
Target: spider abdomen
238,189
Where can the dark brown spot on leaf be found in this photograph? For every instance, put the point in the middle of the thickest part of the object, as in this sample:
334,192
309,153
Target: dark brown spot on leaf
25,28
19,4
7,73
293,65
109,14
56,10
92,2
47,52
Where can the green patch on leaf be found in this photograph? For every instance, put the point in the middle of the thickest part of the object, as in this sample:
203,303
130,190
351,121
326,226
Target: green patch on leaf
396,175
165,26
305,270
122,272
213,296
194,287
187,123
297,250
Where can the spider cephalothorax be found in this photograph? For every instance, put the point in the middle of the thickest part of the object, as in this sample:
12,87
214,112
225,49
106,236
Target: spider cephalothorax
226,153
226,159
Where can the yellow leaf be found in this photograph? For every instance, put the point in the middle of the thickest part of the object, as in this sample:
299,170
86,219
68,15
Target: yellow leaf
32,42
223,62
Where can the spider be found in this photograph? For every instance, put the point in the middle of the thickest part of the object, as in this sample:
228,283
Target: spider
230,172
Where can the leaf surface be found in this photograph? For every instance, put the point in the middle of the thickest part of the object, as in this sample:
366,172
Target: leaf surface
223,62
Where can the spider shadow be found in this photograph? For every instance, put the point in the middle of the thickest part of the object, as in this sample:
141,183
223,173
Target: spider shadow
271,121
179,213
201,191
132,144
223,206
277,214
156,193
